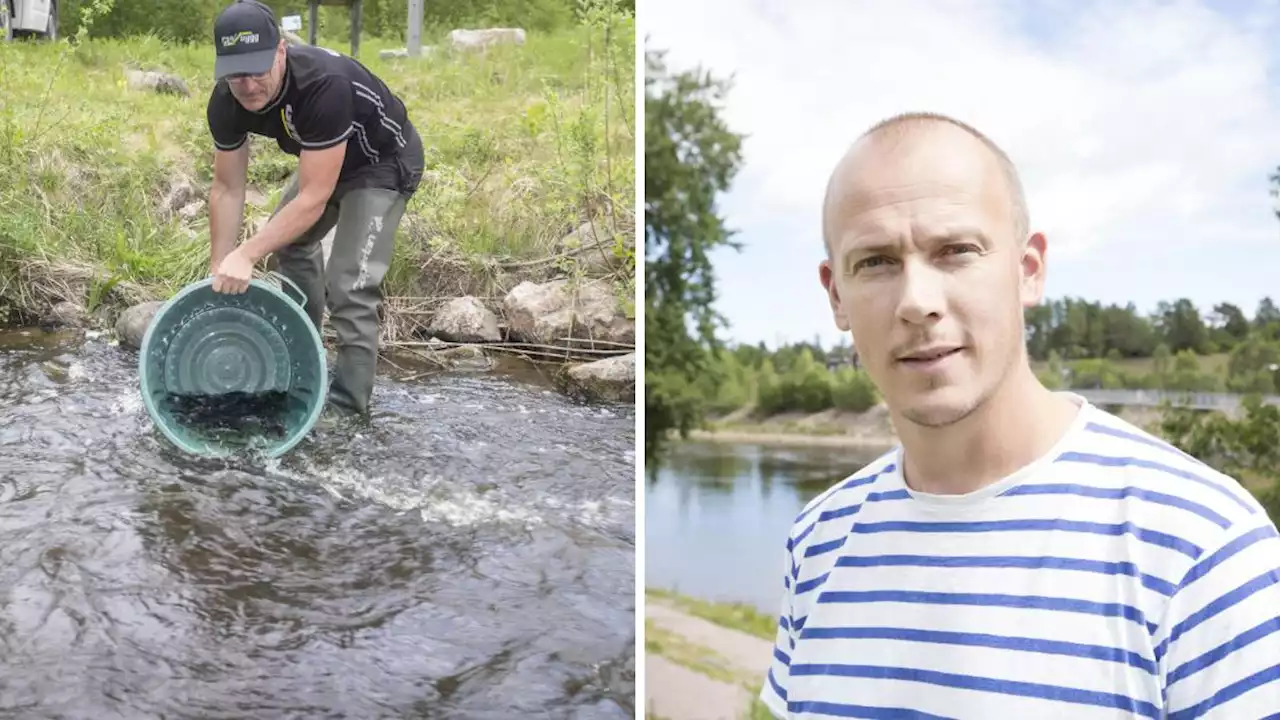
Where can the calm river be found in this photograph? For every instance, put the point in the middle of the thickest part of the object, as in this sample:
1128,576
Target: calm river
717,516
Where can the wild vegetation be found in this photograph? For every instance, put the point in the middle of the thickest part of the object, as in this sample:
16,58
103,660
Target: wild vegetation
690,156
1173,349
524,145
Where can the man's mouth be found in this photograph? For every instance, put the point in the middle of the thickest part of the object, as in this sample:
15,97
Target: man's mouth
929,355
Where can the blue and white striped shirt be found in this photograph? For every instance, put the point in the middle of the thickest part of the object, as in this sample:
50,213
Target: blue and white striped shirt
1115,578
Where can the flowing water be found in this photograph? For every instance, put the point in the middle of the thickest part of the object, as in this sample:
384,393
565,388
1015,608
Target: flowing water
469,554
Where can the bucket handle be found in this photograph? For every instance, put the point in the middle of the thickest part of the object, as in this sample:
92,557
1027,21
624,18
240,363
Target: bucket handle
286,281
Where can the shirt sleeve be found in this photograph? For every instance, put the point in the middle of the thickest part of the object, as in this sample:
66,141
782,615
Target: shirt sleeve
221,115
1220,649
774,692
325,117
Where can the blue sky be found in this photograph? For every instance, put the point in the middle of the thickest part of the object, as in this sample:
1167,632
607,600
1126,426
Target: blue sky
1144,133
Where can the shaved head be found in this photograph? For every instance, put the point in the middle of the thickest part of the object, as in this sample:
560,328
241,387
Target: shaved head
893,140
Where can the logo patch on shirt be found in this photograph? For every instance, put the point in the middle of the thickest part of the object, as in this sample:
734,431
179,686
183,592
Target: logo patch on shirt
286,116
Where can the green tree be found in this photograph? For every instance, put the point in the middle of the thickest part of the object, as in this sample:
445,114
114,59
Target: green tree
690,157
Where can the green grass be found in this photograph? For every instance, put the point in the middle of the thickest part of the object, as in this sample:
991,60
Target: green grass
691,655
736,616
523,144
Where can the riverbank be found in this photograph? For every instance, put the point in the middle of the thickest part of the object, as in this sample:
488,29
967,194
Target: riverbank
704,661
870,430
522,232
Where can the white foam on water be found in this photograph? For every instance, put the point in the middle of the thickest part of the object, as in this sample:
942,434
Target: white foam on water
128,403
76,371
434,499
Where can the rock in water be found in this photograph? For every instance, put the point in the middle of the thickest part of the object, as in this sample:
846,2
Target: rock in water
132,324
609,380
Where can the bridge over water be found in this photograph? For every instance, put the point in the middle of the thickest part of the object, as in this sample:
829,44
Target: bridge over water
1225,402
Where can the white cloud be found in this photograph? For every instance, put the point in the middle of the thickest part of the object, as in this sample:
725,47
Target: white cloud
1138,128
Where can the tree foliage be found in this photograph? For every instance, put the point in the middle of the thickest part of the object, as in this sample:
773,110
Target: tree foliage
690,158
1244,448
192,20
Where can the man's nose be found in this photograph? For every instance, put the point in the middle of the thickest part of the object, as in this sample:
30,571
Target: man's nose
923,293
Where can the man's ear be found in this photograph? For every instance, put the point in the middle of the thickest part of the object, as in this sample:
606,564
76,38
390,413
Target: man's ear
1031,269
827,276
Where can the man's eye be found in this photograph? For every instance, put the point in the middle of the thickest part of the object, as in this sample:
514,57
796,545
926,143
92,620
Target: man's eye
871,262
961,248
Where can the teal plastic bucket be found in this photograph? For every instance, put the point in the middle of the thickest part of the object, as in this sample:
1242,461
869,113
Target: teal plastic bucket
203,348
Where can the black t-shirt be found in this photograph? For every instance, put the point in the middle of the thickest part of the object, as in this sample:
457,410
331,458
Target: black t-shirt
327,98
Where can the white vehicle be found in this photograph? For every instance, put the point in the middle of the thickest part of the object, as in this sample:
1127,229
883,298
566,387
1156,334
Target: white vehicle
34,17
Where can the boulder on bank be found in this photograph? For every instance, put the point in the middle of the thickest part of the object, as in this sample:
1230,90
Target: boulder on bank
479,39
132,324
160,82
466,320
609,380
65,314
592,248
551,313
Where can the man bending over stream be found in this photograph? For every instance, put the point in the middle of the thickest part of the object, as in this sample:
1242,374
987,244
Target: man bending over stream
359,162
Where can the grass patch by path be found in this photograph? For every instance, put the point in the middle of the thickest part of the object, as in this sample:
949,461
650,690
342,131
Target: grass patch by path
735,616
700,659
523,145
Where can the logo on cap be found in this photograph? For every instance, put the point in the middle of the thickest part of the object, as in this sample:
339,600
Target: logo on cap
244,36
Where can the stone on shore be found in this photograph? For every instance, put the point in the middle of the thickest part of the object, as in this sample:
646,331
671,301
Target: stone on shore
550,313
609,380
466,320
462,39
132,324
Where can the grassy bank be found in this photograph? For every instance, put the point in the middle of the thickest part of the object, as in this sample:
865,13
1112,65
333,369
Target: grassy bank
705,661
735,616
524,144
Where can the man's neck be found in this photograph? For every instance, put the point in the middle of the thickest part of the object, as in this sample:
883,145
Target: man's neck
1014,427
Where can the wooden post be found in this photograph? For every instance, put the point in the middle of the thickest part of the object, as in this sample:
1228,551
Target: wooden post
313,19
357,15
414,41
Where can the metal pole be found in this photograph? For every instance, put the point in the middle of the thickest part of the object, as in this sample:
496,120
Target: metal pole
415,28
313,19
357,14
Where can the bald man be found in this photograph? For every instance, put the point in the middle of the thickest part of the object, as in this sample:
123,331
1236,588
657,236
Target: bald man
1021,554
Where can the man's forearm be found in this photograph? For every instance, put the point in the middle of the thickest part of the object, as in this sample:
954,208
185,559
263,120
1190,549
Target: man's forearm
226,213
295,218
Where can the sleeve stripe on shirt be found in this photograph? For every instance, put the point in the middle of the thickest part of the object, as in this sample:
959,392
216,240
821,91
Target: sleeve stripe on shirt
1252,635
1230,692
329,143
1100,429
1226,552
1124,461
235,146
1121,493
1225,602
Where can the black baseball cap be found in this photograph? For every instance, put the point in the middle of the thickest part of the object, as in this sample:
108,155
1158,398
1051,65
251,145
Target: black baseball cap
246,37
